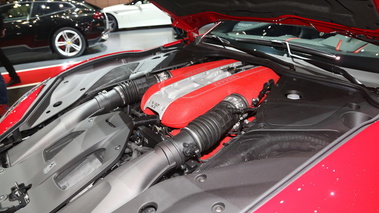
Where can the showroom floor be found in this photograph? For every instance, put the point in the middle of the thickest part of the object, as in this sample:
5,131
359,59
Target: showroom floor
136,39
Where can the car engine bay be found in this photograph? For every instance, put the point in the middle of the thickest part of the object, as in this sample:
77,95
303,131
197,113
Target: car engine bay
218,133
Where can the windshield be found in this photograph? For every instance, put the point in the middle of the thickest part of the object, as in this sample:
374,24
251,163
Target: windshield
258,36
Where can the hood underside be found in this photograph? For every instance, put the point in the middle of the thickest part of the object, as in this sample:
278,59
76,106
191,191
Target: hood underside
359,18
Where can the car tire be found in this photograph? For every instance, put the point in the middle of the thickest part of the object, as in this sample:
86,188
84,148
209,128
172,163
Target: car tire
68,42
113,24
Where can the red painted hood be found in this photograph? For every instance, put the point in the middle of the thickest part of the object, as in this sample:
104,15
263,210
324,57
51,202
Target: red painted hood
357,18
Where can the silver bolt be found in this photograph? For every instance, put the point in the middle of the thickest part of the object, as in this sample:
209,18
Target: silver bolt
218,207
201,178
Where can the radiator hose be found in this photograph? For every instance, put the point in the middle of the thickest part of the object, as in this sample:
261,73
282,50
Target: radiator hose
137,175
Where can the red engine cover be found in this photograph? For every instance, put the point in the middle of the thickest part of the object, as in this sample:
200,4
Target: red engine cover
182,98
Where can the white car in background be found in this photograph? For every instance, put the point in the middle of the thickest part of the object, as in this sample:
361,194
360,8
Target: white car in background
135,14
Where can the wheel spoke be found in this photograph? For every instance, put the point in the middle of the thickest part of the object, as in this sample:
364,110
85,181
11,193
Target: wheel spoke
60,43
74,38
65,36
76,47
67,51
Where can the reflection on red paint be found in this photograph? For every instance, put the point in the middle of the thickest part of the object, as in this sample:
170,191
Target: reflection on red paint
18,111
345,181
339,45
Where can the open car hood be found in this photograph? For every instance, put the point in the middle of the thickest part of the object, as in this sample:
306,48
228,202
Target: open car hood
357,18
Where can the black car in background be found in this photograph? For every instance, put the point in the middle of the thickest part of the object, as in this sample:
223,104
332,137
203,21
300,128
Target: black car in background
64,27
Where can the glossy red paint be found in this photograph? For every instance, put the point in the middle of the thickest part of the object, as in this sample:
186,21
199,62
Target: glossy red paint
33,76
18,111
339,45
344,181
359,49
174,43
248,84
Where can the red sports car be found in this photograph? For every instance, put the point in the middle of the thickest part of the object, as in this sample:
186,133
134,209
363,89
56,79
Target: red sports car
274,109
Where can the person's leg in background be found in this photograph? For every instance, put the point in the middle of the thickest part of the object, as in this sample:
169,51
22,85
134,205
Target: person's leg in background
3,97
15,79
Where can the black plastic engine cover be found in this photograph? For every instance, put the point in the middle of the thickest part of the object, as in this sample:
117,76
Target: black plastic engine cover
309,105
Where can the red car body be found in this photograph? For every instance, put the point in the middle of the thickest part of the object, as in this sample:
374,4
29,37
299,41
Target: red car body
342,181
340,177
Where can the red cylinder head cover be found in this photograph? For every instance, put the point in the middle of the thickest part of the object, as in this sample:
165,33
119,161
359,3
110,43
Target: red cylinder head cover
198,88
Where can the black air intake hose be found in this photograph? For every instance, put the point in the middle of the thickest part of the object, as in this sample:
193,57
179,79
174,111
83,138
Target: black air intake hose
203,132
126,93
139,174
210,127
131,91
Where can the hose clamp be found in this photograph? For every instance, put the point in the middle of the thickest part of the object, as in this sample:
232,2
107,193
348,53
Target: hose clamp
118,89
195,137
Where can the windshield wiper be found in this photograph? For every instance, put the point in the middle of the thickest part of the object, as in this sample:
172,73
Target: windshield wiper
323,65
290,47
320,64
336,70
223,41
226,43
286,45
